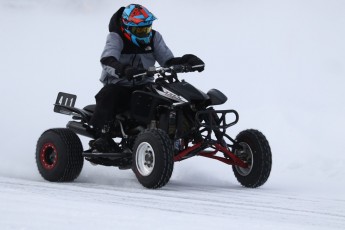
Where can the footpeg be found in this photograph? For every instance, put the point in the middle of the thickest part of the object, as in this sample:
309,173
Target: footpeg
95,153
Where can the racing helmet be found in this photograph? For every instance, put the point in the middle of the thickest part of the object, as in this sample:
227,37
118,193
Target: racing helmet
137,24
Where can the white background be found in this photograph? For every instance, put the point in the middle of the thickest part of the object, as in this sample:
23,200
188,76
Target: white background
281,64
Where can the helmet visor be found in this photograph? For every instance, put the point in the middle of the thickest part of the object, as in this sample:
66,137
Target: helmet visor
141,31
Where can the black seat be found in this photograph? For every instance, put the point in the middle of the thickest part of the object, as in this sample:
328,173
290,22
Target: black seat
90,108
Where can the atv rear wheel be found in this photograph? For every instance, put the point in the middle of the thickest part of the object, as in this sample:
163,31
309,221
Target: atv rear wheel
59,155
153,158
254,149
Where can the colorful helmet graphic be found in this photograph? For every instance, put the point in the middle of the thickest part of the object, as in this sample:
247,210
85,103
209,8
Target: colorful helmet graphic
137,24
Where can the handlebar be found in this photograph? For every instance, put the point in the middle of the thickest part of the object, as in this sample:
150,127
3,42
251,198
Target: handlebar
172,69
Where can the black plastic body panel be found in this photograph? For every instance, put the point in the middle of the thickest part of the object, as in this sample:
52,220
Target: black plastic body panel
145,105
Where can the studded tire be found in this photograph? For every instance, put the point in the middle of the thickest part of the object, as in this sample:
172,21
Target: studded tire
153,158
253,148
59,155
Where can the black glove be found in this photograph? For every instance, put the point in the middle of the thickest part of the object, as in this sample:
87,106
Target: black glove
174,61
193,60
129,72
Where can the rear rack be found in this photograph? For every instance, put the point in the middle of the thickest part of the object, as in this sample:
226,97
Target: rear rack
65,104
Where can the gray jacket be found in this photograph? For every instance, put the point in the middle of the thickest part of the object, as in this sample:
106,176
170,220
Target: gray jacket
114,47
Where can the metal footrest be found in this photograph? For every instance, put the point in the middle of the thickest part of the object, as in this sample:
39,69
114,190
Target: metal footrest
93,154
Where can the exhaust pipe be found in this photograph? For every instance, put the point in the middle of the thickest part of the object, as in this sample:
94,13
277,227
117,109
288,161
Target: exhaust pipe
80,128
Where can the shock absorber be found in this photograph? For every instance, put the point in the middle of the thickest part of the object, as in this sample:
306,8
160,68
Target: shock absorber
172,123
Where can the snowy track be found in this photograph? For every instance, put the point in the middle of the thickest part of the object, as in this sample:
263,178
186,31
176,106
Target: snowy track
40,203
282,67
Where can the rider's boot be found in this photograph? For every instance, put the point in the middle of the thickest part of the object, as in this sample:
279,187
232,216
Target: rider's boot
105,144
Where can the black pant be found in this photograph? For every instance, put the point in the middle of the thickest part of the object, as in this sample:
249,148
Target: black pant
111,100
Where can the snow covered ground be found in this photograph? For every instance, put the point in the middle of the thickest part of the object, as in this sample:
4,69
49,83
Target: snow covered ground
281,63
41,205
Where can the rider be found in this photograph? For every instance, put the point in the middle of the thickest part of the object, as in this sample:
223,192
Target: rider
131,47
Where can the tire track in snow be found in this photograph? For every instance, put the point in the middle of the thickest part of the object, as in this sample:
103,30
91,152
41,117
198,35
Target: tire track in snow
196,200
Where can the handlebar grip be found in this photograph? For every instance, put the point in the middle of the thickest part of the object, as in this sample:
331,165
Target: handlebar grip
197,66
187,68
175,68
139,75
178,68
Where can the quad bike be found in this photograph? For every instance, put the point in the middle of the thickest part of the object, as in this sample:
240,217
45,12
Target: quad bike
169,121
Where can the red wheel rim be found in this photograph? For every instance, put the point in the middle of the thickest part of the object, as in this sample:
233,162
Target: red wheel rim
48,156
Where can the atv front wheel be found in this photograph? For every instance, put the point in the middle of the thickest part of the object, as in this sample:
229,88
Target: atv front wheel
253,148
59,155
153,157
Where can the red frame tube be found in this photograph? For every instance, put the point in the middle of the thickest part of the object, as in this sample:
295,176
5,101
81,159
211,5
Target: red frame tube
185,152
232,160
